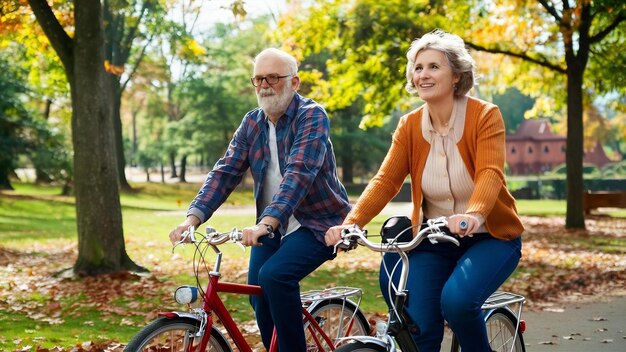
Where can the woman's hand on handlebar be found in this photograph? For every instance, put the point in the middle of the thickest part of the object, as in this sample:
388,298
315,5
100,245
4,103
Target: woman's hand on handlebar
463,224
176,235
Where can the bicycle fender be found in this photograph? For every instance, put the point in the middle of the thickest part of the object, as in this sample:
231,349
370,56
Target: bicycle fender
371,339
170,315
487,312
316,303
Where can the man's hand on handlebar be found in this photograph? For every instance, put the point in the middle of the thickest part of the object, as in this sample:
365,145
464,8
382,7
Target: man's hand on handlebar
339,237
251,235
333,235
176,235
265,227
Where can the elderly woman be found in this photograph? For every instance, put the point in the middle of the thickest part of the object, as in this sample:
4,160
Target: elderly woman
453,149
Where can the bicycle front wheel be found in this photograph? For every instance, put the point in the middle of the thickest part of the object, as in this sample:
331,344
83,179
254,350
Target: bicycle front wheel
176,334
501,327
338,318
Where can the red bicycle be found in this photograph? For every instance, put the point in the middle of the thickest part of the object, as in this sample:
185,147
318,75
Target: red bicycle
329,315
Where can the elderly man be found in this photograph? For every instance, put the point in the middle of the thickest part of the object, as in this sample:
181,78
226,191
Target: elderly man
286,144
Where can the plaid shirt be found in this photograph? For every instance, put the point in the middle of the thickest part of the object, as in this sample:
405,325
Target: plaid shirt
310,188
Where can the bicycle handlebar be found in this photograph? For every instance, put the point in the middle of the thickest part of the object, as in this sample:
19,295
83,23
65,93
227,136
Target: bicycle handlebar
216,238
213,237
432,231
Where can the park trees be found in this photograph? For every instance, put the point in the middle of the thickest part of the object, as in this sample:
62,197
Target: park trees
34,86
570,50
101,246
15,121
130,27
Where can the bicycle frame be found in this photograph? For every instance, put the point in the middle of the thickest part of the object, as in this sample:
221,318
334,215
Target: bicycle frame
396,329
213,305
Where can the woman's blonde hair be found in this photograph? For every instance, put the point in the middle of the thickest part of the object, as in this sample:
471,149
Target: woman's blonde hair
458,57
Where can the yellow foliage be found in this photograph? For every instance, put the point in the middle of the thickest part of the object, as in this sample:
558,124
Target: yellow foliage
113,69
191,50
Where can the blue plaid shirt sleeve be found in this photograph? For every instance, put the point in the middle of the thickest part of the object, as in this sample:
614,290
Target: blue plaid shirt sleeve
225,176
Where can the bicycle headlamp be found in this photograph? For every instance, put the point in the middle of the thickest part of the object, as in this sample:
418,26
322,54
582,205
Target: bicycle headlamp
186,294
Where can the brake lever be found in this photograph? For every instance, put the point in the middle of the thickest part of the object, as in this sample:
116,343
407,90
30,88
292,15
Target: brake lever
189,233
235,237
343,244
436,237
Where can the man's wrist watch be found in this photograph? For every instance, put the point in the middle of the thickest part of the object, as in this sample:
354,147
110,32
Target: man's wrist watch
269,228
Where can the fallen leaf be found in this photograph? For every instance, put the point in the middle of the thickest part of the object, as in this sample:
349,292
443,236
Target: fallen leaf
548,343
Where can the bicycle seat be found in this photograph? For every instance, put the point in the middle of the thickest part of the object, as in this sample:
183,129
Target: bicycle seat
397,228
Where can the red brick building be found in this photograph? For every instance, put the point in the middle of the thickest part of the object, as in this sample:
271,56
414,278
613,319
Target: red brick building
535,149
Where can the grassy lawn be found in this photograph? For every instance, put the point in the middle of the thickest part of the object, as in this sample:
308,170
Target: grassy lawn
38,239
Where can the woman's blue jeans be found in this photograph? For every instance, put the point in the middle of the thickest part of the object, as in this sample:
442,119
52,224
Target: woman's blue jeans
452,283
278,266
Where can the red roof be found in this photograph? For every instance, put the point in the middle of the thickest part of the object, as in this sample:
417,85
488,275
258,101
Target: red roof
597,156
536,130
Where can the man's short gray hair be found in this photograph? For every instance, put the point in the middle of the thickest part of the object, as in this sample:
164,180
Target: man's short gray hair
287,59
454,49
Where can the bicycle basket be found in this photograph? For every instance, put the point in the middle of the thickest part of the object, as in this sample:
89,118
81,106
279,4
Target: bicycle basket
397,228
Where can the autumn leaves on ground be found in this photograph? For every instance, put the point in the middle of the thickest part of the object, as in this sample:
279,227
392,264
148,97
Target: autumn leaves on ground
556,264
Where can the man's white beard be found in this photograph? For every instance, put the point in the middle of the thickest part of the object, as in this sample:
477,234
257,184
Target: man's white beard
275,103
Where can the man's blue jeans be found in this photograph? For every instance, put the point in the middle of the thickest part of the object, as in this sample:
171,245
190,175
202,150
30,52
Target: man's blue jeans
278,266
451,283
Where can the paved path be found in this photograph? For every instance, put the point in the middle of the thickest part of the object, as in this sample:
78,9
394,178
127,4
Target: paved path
584,326
574,327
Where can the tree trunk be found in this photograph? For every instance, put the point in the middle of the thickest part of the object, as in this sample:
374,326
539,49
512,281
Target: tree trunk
575,216
173,173
5,183
115,91
40,175
183,169
101,246
348,169
576,59
133,152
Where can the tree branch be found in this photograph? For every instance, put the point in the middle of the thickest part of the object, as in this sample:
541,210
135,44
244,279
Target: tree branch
137,63
127,40
60,41
603,33
522,56
551,10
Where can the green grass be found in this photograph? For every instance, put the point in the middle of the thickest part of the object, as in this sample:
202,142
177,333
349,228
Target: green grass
19,330
541,207
34,216
552,207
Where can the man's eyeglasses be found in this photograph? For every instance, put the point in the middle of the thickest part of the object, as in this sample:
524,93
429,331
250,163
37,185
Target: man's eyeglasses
271,79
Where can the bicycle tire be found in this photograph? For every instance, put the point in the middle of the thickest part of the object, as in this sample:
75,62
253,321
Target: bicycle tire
358,346
159,335
328,315
501,324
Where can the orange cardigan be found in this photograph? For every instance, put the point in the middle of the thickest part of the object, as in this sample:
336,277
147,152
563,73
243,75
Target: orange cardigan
482,148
